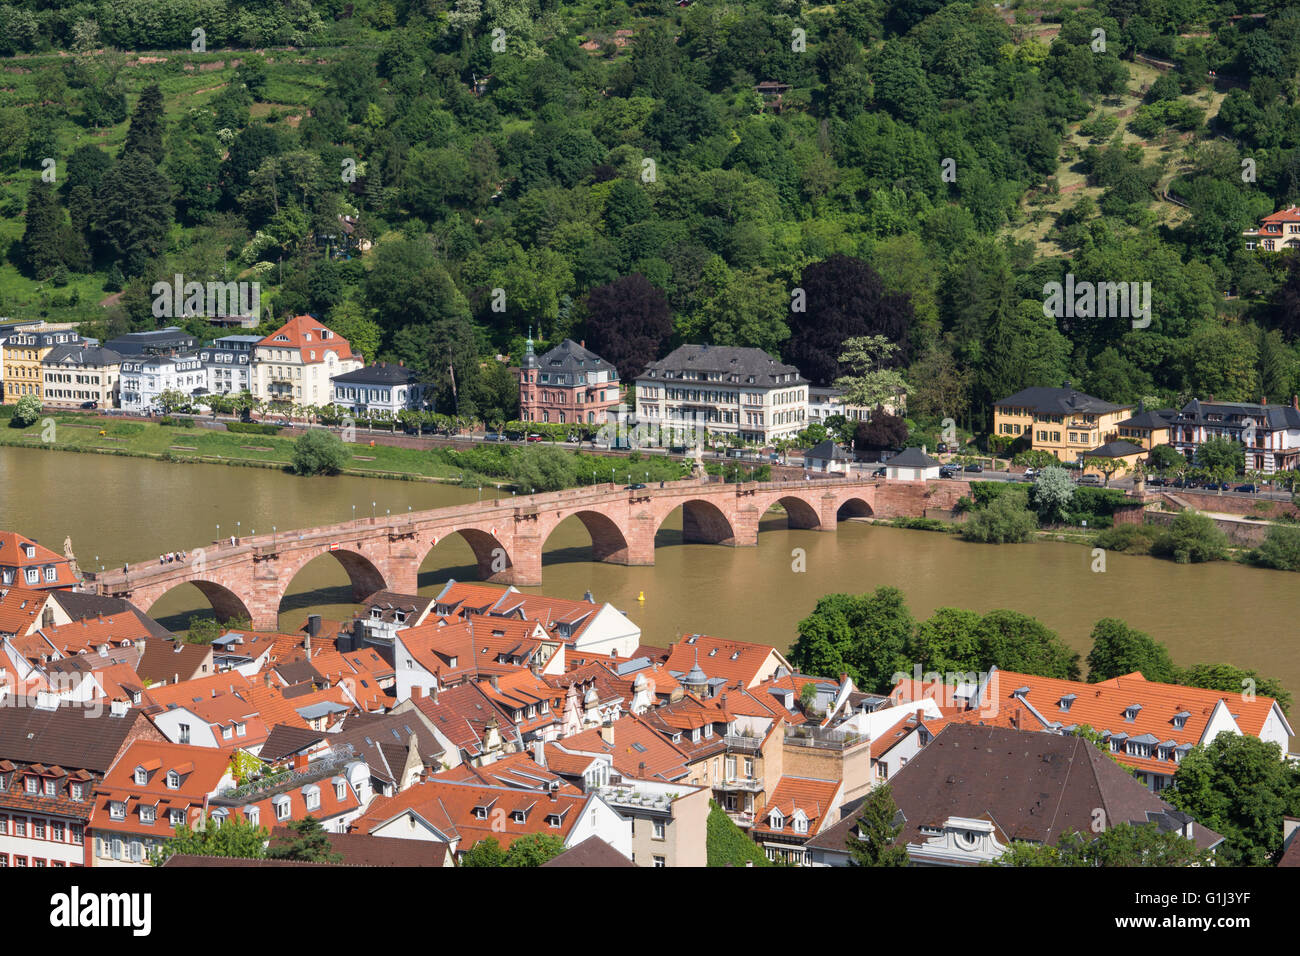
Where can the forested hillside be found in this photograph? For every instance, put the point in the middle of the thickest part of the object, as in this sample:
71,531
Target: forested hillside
616,173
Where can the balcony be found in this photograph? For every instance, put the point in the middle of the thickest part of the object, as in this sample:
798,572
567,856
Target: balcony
743,784
823,739
749,745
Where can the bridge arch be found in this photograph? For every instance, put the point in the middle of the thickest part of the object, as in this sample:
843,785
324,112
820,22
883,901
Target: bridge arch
702,522
362,573
226,604
854,507
490,554
608,542
799,512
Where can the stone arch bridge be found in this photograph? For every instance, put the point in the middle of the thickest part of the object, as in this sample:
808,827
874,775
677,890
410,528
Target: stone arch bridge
249,578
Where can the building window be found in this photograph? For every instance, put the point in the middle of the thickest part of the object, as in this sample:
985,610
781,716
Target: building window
658,830
660,862
173,780
51,788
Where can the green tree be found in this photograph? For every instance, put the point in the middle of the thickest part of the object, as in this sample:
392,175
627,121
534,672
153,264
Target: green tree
235,837
1240,787
1020,643
1223,458
1191,538
877,830
484,853
1053,489
533,849
308,844
870,381
42,232
1235,680
319,452
1124,844
145,134
26,412
1006,520
135,211
1280,549
862,635
1118,649
947,642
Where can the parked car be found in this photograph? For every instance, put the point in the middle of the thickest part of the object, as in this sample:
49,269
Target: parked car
977,467
494,436
90,404
1248,488
1030,474
879,472
535,437
1157,482
949,471
1089,480
1219,486
634,487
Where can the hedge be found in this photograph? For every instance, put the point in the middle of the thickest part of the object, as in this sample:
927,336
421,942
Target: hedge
252,428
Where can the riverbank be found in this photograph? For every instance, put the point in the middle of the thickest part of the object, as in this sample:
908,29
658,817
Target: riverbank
203,444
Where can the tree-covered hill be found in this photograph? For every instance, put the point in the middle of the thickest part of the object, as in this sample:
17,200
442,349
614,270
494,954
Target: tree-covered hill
615,172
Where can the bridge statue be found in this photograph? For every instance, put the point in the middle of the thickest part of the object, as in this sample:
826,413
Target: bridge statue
72,558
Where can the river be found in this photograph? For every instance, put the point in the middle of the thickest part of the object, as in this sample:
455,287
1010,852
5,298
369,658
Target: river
119,509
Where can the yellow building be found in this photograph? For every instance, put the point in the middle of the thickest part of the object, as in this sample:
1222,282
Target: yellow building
1062,421
23,354
1147,429
81,376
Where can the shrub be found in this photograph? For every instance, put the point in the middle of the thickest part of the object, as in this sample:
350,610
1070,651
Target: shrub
1005,521
176,422
1191,538
26,412
1280,549
920,524
727,845
252,428
319,452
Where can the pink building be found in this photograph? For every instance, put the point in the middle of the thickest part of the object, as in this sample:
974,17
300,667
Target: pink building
567,385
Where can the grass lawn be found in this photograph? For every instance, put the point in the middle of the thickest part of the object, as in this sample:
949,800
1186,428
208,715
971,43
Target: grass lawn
210,446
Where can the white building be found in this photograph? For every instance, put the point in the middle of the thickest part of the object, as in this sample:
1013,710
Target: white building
294,364
380,391
828,458
228,362
912,464
145,377
723,391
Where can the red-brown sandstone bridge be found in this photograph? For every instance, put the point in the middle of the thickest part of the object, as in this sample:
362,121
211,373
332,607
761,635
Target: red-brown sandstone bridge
249,577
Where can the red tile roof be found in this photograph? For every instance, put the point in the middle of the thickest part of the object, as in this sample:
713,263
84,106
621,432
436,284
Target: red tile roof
816,798
312,339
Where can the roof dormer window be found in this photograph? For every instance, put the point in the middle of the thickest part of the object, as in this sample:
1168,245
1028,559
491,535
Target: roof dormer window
480,813
1131,712
518,816
553,820
141,775
776,820
1180,719
1067,700
173,780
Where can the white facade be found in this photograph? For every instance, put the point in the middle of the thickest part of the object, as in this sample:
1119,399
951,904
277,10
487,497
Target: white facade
145,377
45,840
609,632
228,362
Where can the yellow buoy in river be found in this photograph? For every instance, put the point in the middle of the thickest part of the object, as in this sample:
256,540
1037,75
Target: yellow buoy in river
641,596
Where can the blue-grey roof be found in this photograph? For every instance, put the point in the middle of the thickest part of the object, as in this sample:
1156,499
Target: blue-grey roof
913,458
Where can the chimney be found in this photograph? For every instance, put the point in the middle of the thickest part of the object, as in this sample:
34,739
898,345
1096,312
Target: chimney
417,693
299,762
1015,719
266,679
1295,402
607,733
539,753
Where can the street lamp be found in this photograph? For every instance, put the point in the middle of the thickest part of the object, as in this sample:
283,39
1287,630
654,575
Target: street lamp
373,506
354,512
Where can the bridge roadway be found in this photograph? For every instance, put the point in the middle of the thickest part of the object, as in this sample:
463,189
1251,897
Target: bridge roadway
250,577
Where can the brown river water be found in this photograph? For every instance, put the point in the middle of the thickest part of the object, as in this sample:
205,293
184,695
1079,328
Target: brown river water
129,509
